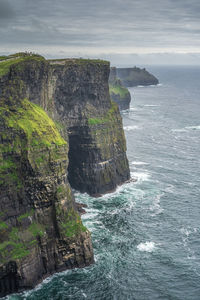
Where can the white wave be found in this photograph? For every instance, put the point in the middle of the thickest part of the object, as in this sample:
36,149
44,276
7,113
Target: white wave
139,163
150,85
170,188
185,129
156,205
193,127
146,247
133,109
140,176
129,128
179,130
188,231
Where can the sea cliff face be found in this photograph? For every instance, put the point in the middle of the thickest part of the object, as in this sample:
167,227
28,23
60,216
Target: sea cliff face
97,147
118,93
136,76
57,126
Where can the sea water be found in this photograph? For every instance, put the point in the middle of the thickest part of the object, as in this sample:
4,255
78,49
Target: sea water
146,235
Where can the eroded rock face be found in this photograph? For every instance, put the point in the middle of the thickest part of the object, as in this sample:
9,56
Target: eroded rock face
136,76
97,147
118,93
40,229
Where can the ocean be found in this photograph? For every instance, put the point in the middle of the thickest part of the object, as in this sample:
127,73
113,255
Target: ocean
146,235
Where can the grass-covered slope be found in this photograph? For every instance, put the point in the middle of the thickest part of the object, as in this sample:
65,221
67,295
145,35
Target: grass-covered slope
7,61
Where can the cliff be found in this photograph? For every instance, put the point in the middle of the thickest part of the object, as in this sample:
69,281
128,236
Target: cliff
136,76
118,93
57,126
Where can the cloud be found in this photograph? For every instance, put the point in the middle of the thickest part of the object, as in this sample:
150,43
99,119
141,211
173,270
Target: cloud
6,11
104,26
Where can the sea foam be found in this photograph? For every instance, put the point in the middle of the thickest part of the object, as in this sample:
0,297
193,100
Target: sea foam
140,176
129,128
139,163
146,247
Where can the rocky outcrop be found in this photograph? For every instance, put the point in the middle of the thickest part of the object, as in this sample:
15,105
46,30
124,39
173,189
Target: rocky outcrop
136,76
118,93
57,126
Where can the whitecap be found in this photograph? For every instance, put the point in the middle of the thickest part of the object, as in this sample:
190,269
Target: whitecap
185,129
146,247
193,127
139,163
129,128
140,176
156,205
133,109
179,130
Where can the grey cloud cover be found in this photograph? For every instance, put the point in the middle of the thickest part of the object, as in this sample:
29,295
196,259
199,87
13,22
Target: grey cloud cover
92,27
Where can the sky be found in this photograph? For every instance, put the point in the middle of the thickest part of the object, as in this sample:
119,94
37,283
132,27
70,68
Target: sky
126,32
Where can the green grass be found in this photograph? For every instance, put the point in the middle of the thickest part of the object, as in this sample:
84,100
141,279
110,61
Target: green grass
36,229
105,119
81,61
118,90
70,224
28,130
3,225
26,215
15,59
73,226
20,241
4,57
34,122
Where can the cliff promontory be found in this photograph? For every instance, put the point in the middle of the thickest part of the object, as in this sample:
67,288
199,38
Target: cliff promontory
58,128
118,92
136,76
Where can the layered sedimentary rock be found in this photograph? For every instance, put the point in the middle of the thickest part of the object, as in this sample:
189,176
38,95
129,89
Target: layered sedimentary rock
97,147
118,92
136,76
50,111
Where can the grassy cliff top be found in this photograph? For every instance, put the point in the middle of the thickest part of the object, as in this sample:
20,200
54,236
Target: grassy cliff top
7,61
78,61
